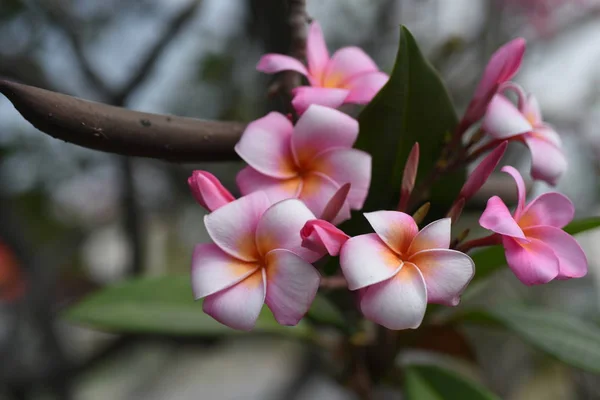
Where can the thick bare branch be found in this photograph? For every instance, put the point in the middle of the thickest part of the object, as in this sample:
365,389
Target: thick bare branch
121,131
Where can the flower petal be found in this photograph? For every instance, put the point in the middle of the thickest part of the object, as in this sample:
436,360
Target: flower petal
503,120
250,180
345,64
273,63
436,235
547,132
317,54
497,218
365,86
304,96
280,226
317,191
292,284
213,270
397,303
320,129
534,263
238,306
366,260
208,190
323,237
552,209
265,146
446,272
572,262
531,110
482,172
548,162
395,228
521,191
233,226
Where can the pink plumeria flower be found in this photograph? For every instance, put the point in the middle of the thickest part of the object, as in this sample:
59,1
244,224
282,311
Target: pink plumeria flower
349,76
323,237
309,161
503,65
398,270
208,190
524,123
257,257
537,249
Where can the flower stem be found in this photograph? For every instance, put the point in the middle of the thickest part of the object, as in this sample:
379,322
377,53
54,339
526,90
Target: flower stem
485,241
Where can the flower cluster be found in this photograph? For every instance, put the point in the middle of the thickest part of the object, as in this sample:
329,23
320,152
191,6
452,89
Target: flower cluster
304,178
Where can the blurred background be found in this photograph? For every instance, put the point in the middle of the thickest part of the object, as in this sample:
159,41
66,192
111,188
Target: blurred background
73,220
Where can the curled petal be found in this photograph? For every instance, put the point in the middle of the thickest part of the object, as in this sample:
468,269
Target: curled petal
292,284
365,86
497,218
483,171
213,270
323,237
280,226
552,209
304,96
436,235
265,146
397,303
396,229
345,64
521,191
238,306
534,263
503,120
336,203
320,129
572,262
317,191
233,226
250,180
548,162
317,54
273,63
366,260
446,272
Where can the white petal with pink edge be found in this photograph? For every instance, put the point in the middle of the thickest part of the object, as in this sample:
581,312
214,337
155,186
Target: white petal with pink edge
436,235
395,228
317,191
548,162
503,120
497,218
305,96
553,209
273,63
533,263
250,180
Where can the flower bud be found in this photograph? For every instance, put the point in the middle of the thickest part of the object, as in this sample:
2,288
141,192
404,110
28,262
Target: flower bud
208,191
321,236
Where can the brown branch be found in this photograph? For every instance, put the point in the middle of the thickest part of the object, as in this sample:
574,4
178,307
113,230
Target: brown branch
117,130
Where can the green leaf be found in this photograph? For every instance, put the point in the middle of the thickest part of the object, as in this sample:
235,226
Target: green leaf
561,335
324,311
429,382
489,260
162,305
413,106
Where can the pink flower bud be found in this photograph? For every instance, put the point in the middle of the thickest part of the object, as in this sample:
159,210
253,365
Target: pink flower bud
482,172
321,236
208,191
409,176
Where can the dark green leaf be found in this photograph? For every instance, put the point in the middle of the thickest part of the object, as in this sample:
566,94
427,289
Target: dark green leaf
582,225
162,305
561,335
325,312
428,382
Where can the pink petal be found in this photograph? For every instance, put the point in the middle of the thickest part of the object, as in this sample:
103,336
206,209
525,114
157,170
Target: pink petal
521,191
552,209
280,226
304,96
534,263
208,191
250,180
531,110
409,176
547,132
483,171
213,270
396,229
336,203
265,146
292,284
233,226
323,237
572,262
503,120
436,235
273,63
345,64
446,272
548,162
366,260
347,166
365,86
497,218
317,54
320,129
317,191
397,303
238,306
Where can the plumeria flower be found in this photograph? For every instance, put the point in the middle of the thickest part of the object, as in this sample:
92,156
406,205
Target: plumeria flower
398,270
524,123
257,257
208,190
537,249
309,161
349,76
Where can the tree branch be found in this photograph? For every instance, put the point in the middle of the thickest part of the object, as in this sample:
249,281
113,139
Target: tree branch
117,130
